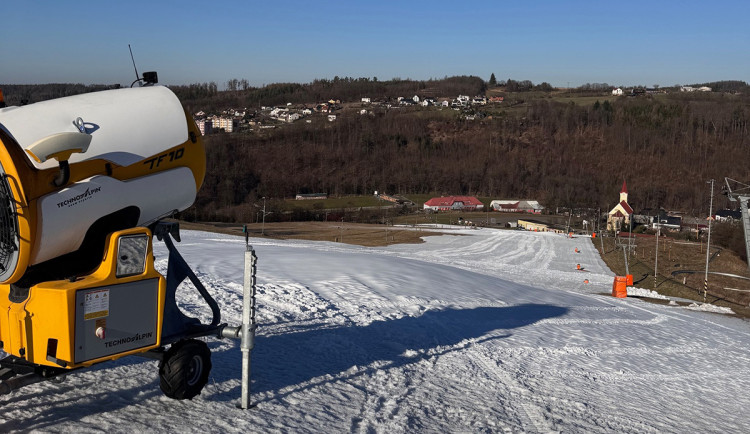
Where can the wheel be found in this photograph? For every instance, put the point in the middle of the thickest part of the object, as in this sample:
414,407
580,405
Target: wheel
184,370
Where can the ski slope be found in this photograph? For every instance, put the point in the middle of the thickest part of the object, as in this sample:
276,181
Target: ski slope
474,331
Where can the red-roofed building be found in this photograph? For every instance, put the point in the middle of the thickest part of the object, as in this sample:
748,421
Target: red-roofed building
619,217
454,203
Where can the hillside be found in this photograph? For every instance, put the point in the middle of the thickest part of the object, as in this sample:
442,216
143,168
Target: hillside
564,154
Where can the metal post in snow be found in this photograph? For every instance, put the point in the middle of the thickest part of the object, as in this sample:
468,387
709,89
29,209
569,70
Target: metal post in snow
248,320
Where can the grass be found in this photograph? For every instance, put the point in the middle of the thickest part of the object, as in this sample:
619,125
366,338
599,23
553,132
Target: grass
349,233
334,203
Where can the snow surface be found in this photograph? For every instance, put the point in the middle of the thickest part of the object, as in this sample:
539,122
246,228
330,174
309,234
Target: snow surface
478,331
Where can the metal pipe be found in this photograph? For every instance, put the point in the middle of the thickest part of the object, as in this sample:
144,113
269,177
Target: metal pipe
247,331
18,382
230,332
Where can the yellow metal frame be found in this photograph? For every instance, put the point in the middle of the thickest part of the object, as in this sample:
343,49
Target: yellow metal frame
50,311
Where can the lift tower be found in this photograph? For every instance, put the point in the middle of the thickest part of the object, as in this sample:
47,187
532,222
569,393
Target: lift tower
738,191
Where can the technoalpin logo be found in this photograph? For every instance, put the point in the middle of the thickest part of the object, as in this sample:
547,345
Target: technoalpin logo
75,200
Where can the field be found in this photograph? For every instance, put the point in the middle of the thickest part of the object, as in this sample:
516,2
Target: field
349,233
334,203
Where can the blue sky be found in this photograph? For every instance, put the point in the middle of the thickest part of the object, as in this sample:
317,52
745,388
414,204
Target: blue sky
560,42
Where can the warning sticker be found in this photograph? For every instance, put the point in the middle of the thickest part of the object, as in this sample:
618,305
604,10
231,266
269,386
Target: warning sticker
96,304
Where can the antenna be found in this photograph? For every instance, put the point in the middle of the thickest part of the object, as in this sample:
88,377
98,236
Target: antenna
149,77
137,77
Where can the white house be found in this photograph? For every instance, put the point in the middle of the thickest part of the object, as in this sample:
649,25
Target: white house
366,100
279,112
529,206
617,92
292,117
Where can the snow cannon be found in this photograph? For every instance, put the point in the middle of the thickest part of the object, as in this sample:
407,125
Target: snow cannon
85,182
74,169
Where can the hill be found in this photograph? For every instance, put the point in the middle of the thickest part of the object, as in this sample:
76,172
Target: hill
564,154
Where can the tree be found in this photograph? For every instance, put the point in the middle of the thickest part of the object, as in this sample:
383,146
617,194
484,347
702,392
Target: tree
493,81
544,87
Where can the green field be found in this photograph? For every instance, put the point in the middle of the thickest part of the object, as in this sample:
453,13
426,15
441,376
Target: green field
334,203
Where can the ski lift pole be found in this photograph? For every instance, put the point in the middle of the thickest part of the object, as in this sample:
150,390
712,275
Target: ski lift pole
248,319
625,256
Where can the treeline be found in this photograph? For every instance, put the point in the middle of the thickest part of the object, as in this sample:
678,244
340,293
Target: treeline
511,85
346,89
730,86
561,154
21,94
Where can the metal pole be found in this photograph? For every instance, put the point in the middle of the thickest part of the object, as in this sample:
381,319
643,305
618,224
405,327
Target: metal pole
248,320
656,259
599,225
625,256
630,235
708,243
745,225
263,225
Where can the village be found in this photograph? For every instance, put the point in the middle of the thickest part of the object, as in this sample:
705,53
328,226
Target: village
245,120
268,117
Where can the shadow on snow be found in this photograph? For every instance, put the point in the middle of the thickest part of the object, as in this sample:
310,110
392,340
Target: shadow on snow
308,358
284,364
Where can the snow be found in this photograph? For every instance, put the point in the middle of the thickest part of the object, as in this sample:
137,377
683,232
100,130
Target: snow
476,331
707,307
634,291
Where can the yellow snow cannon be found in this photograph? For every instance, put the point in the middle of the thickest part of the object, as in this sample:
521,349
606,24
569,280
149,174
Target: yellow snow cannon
84,183
75,169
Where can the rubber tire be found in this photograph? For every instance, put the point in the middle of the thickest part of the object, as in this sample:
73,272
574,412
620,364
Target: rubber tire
184,370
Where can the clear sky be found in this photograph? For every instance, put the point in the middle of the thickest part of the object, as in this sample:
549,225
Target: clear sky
561,42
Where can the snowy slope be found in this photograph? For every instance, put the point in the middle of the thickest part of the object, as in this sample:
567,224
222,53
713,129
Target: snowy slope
478,331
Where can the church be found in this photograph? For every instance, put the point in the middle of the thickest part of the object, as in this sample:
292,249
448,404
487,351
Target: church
619,217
